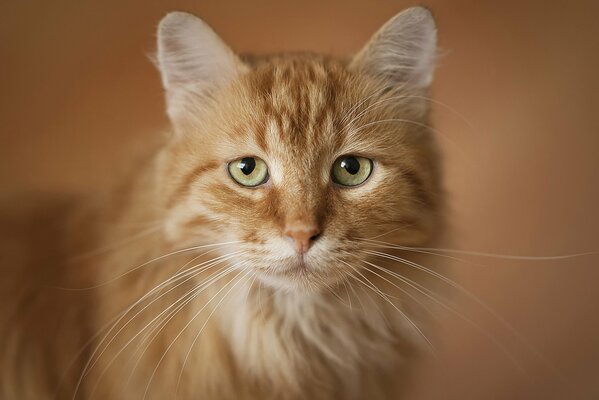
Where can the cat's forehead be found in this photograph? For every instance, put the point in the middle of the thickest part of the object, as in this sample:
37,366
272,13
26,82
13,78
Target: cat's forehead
298,76
300,93
302,112
298,104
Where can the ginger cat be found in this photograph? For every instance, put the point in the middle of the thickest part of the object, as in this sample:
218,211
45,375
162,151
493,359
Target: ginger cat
241,261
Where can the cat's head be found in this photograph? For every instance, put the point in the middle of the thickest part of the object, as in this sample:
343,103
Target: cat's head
298,159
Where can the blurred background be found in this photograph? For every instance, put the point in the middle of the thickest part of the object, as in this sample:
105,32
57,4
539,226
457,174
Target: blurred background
517,119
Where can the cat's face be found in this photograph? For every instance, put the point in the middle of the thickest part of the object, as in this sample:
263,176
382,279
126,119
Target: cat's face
295,159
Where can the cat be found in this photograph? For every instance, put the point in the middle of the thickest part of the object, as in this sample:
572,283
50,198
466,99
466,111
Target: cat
240,260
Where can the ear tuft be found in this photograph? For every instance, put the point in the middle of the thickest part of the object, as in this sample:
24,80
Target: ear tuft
192,59
403,51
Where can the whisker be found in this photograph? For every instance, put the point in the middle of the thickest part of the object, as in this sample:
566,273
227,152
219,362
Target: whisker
260,299
332,291
114,322
374,303
420,124
348,296
164,317
434,297
80,352
473,297
382,102
386,298
115,245
247,295
374,244
181,303
178,304
353,289
189,274
382,234
373,286
372,106
147,263
202,329
491,255
184,328
173,279
354,108
410,295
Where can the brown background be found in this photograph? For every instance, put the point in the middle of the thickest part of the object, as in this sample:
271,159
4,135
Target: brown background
79,97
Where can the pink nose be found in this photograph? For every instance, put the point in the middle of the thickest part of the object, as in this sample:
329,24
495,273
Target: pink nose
303,236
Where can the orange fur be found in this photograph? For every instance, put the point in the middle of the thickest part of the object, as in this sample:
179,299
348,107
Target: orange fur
270,326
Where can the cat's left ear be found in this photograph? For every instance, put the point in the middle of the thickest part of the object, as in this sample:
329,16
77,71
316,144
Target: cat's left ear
403,51
193,61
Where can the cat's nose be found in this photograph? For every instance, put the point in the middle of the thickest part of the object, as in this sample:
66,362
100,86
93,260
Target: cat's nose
302,235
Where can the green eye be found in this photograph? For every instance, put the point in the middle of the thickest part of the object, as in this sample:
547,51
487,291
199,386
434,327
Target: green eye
351,170
249,171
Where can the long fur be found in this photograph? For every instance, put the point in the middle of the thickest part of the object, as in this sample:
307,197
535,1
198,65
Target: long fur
182,283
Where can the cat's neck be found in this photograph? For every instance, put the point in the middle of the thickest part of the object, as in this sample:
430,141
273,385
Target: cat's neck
274,334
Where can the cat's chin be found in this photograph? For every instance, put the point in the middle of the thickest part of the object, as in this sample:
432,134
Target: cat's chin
298,279
281,283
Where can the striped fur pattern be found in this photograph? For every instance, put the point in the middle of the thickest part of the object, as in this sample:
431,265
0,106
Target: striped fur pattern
210,300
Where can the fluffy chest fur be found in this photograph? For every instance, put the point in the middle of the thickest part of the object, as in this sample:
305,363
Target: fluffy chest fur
321,344
242,340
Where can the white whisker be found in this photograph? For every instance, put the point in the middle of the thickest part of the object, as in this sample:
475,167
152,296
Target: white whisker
184,328
386,298
431,295
429,250
123,314
166,316
195,339
147,263
115,245
476,299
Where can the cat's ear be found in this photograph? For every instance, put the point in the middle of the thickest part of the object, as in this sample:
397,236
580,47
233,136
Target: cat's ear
403,51
193,62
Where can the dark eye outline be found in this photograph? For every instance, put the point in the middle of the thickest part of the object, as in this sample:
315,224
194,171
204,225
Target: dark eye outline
261,183
344,186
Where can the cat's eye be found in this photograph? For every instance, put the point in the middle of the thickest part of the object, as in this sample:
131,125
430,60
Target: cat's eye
351,170
249,171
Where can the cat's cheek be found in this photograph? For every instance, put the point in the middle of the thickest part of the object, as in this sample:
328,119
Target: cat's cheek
173,231
182,225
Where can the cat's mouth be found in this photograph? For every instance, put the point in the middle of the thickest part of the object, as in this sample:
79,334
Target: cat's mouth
301,263
294,267
301,272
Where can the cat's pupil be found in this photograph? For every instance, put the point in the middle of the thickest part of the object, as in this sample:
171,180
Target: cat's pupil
351,165
247,165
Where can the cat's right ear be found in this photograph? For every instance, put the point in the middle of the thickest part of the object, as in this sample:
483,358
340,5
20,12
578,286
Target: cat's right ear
193,62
